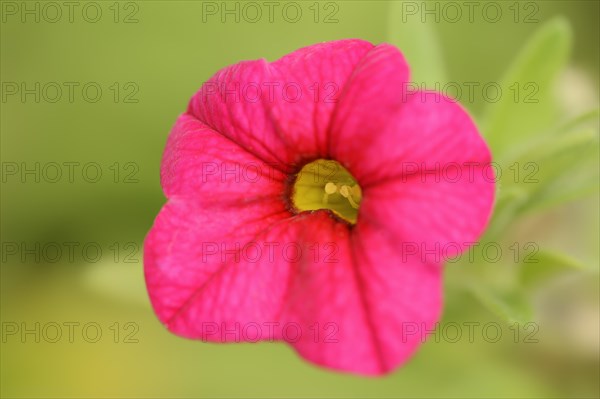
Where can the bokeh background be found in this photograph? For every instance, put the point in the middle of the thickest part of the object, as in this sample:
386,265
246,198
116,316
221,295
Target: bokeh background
158,53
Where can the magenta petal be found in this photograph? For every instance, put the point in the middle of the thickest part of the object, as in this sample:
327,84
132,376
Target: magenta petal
203,165
197,275
401,296
430,220
372,95
311,80
426,177
280,112
365,309
232,102
427,131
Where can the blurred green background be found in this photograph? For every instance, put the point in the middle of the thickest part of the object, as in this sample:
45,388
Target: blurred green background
158,53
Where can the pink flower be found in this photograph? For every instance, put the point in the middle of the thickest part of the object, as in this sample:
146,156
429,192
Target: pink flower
232,256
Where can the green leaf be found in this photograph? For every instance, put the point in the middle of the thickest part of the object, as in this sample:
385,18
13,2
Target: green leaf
527,106
512,307
567,169
552,169
509,200
547,145
419,44
548,264
579,186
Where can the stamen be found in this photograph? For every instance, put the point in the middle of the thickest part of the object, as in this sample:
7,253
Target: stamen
357,192
352,194
346,192
330,188
335,190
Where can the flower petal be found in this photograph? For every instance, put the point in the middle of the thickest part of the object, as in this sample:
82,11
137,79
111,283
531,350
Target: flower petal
427,131
426,175
201,164
432,218
434,188
231,103
201,270
311,80
281,111
371,97
367,312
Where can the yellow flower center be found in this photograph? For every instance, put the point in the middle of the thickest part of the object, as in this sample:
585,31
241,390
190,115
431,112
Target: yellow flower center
325,184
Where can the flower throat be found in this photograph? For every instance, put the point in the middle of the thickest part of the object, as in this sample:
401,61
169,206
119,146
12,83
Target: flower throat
325,184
